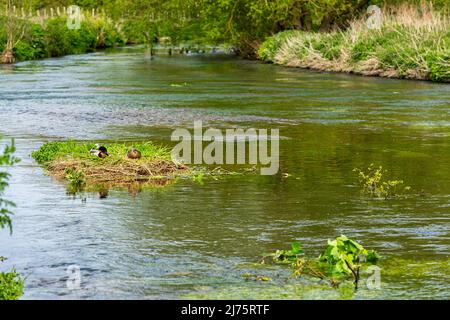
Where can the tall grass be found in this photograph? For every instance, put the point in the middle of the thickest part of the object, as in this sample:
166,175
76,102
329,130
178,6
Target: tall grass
412,42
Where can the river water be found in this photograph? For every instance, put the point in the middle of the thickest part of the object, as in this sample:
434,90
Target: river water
196,240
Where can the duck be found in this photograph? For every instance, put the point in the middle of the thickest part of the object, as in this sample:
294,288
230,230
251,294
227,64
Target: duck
134,154
99,151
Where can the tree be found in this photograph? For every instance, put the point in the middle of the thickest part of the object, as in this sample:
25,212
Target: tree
15,27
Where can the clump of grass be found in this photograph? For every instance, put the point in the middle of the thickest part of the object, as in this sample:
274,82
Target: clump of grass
374,184
72,161
413,42
76,179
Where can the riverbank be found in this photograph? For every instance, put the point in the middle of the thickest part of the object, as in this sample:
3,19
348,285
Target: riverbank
39,38
411,43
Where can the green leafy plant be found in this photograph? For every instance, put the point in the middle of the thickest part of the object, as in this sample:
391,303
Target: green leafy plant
341,260
287,256
77,180
6,159
11,285
374,184
344,257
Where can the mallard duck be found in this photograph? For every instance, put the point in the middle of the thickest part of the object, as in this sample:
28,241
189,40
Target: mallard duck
134,154
99,151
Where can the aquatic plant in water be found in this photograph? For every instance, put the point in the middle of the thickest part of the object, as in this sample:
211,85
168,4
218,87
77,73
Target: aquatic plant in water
77,180
286,256
373,183
341,260
345,257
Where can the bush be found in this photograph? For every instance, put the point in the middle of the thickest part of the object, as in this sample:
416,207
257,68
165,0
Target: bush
54,39
268,48
11,285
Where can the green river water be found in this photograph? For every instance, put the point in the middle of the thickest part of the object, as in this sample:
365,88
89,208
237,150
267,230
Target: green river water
196,240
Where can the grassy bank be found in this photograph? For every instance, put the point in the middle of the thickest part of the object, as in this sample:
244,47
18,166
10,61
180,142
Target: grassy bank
72,161
45,38
413,42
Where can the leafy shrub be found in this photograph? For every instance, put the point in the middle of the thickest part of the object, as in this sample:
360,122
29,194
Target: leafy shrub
57,37
11,285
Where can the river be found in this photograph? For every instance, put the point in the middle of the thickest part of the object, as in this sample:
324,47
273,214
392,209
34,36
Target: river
196,240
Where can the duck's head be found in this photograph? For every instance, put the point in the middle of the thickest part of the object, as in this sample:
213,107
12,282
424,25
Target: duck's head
103,150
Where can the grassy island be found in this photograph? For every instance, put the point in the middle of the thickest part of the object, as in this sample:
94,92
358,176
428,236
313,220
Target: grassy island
72,161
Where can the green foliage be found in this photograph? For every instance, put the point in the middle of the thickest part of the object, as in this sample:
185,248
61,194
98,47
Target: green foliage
76,179
288,256
62,41
72,161
52,38
413,42
268,48
373,183
342,259
6,159
60,150
11,285
343,256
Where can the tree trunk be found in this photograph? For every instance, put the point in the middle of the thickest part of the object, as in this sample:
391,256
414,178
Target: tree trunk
7,56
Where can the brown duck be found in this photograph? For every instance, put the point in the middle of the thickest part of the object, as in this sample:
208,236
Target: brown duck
134,154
